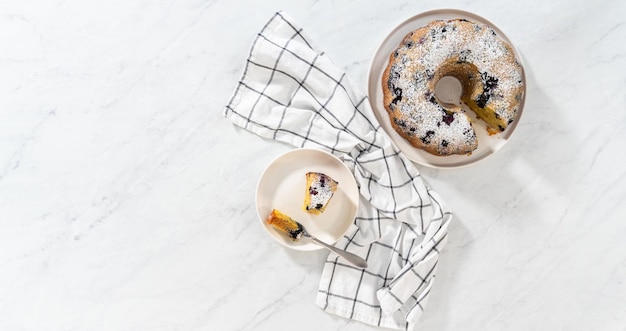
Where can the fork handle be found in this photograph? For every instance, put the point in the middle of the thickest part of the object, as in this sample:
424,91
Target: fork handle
352,258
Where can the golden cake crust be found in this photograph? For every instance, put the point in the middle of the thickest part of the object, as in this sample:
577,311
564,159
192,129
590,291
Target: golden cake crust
491,77
284,223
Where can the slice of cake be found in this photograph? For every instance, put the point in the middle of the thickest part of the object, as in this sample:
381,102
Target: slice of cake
285,224
319,190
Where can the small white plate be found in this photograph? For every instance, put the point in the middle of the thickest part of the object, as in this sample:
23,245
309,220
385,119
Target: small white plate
283,186
487,145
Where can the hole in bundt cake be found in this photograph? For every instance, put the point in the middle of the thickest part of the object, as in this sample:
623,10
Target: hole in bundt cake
449,90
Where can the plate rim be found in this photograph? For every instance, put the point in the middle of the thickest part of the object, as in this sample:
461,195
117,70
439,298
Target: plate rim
349,220
373,84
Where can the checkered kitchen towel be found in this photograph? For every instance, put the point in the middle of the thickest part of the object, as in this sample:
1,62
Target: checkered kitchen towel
293,93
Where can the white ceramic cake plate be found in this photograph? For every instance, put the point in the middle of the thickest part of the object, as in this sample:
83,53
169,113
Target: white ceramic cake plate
487,145
282,186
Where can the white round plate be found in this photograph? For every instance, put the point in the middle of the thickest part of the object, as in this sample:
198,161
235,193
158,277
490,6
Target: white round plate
283,186
487,145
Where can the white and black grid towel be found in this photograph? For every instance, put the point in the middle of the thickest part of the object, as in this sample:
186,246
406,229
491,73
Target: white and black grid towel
292,93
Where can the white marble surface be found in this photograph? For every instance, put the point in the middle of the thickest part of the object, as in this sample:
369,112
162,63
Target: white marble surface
127,200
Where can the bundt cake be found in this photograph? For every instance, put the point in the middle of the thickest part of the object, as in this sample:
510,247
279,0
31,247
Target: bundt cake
484,64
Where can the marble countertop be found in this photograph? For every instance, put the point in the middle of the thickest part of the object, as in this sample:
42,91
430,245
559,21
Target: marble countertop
127,200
